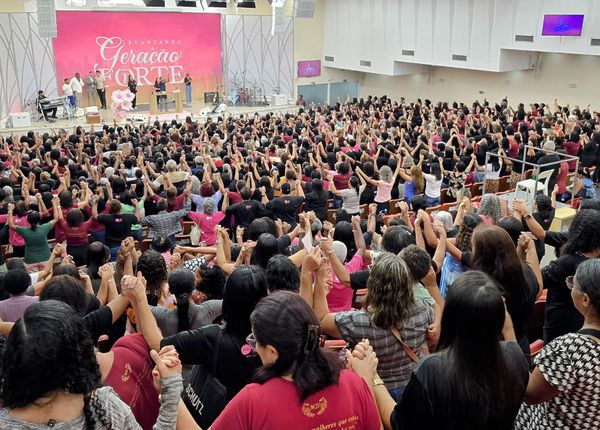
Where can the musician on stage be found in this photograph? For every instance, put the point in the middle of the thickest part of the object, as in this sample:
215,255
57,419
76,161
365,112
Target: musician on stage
41,101
188,88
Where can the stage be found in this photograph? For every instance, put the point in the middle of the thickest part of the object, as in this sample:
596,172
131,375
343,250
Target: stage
141,117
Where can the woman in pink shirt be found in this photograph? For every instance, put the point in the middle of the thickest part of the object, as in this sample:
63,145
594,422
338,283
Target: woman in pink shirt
384,185
14,239
209,219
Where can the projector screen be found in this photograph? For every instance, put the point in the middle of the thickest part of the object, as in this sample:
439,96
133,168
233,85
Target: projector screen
309,69
562,25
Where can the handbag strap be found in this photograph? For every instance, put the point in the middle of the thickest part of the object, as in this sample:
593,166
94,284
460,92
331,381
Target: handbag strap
216,350
407,349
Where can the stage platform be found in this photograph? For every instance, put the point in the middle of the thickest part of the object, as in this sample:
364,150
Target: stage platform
141,116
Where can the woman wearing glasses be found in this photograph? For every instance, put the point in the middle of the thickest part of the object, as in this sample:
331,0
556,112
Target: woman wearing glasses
564,387
300,385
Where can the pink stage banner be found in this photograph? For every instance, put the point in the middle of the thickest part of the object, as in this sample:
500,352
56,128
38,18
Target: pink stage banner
143,44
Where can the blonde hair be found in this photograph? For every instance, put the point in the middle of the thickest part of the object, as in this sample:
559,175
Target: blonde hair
417,176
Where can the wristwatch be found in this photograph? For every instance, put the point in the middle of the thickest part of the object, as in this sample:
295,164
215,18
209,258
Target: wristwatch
378,381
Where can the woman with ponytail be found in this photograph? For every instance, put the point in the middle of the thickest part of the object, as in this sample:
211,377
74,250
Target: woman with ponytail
299,385
187,315
350,196
36,235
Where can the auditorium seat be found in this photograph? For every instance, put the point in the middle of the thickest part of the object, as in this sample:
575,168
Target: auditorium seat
393,206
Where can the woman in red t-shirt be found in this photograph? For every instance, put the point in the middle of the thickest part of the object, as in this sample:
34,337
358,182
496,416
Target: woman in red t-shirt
75,230
300,385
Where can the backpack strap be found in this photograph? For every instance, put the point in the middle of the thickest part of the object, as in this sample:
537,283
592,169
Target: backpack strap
407,349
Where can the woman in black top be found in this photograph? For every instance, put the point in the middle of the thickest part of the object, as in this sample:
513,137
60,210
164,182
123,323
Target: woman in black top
475,382
132,85
316,200
583,243
244,288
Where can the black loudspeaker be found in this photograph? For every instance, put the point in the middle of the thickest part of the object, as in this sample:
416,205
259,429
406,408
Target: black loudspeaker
211,97
154,3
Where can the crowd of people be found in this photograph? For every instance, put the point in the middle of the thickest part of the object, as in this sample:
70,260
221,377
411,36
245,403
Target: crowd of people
197,275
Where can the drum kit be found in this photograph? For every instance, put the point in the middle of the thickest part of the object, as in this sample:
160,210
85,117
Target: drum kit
244,93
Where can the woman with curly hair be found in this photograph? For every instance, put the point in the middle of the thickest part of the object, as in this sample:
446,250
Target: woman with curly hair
154,269
583,243
51,377
390,313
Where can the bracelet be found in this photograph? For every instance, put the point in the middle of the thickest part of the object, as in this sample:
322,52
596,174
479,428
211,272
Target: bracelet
377,382
219,241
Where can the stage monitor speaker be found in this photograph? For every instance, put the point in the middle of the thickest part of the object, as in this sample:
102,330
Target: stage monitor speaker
186,3
211,97
212,3
304,8
46,12
154,3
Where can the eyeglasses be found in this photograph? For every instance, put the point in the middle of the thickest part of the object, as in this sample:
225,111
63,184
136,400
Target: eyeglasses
570,281
251,340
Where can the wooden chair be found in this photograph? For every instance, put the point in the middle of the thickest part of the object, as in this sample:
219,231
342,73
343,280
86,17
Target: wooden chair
392,208
331,215
335,344
359,298
444,197
363,211
145,245
504,183
477,189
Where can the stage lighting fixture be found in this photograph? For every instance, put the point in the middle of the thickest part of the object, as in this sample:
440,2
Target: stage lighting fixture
186,3
154,3
248,4
217,3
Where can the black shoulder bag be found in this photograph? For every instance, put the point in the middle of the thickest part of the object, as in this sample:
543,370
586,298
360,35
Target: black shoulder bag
205,396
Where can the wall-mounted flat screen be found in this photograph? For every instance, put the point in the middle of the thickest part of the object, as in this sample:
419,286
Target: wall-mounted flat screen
309,68
562,25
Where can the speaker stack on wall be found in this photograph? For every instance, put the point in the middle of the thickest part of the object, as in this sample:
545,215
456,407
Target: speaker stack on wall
304,8
46,18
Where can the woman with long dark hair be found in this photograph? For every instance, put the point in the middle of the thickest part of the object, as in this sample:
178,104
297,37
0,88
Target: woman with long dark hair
433,184
494,253
316,200
299,385
51,377
236,363
474,381
187,315
75,230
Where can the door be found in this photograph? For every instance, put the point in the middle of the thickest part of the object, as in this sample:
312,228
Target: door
342,90
316,93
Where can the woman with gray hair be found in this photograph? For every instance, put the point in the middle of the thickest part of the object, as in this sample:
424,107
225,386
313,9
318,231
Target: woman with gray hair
208,220
565,384
490,209
384,185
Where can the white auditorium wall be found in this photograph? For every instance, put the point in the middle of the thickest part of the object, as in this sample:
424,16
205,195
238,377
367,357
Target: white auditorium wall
569,78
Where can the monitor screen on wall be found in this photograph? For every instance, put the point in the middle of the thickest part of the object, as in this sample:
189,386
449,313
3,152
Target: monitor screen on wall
309,68
562,25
